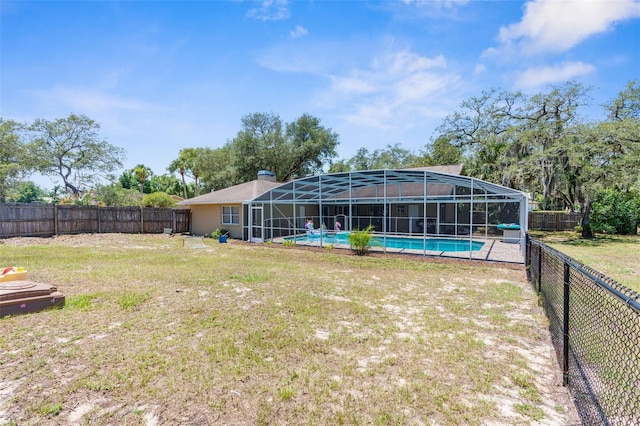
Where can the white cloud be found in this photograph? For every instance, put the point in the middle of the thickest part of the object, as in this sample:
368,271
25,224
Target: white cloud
421,87
271,10
352,84
407,62
436,3
298,31
398,88
479,69
540,76
88,100
557,26
373,115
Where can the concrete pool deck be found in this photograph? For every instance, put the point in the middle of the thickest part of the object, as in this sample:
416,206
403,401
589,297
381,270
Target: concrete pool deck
493,250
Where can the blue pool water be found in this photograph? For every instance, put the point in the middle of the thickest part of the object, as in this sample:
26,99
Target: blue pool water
432,244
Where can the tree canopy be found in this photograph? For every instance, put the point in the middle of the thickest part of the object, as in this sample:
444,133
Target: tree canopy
392,157
289,150
72,149
292,150
12,156
541,144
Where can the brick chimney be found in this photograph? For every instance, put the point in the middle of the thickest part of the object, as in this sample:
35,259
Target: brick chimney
267,175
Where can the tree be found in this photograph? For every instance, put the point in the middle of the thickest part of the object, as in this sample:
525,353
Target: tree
521,141
188,165
26,192
609,154
180,165
311,146
362,160
441,153
141,173
165,183
115,195
71,149
548,132
341,165
541,144
392,157
127,180
218,168
482,131
12,161
260,145
158,199
196,169
615,211
293,150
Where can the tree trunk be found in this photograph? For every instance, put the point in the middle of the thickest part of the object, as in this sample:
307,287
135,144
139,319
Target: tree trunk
586,225
184,184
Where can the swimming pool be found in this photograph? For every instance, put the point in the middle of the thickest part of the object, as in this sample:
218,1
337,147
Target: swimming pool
407,243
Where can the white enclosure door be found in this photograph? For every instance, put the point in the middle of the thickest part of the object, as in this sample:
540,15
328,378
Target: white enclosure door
257,230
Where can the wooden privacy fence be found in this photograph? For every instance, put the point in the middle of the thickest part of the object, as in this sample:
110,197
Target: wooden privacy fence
554,221
45,220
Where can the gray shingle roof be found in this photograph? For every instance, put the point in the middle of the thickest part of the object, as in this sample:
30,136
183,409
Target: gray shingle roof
235,194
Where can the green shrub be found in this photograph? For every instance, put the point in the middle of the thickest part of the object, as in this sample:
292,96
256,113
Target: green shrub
615,212
158,199
361,240
219,232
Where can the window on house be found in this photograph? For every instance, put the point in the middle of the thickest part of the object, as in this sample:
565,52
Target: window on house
400,209
230,215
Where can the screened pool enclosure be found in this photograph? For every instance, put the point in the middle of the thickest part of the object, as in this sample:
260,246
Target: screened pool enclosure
409,203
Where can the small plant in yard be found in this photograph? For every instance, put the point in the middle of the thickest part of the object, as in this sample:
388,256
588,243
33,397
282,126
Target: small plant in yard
81,301
361,240
289,243
285,393
219,232
130,300
50,409
529,410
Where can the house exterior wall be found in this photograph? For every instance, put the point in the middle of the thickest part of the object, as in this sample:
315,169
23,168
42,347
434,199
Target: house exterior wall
207,218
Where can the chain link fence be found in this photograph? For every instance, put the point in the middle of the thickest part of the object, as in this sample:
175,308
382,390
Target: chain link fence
595,328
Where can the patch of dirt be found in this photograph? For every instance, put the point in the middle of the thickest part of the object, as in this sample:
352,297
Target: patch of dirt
83,240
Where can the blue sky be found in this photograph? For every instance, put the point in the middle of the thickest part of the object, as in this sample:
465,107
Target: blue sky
160,76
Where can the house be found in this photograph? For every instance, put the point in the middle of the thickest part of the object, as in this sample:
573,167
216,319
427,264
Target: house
226,208
425,201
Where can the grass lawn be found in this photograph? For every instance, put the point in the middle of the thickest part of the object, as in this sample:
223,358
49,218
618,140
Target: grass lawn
155,332
617,256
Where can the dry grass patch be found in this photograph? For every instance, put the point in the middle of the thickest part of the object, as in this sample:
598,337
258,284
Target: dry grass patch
616,256
157,333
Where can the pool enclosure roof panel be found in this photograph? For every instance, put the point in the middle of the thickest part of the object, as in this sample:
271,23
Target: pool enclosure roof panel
399,184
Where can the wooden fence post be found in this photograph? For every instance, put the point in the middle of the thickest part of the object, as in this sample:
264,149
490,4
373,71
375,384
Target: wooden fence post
55,219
